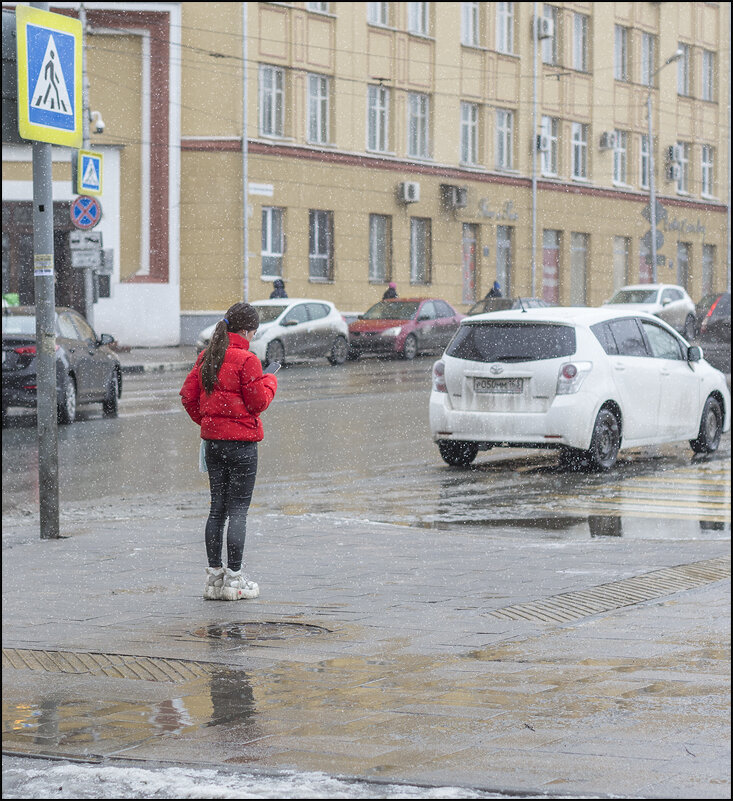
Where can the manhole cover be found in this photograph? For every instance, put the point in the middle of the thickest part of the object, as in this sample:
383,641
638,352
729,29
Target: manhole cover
258,631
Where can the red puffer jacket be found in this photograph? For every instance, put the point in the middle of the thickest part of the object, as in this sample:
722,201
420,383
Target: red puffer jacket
241,393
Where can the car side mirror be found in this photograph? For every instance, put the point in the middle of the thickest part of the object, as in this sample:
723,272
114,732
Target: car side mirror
105,339
694,353
666,302
360,317
423,317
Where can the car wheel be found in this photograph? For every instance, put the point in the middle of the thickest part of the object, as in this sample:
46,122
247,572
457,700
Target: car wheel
110,403
711,428
339,351
457,454
605,442
409,349
66,408
689,330
275,352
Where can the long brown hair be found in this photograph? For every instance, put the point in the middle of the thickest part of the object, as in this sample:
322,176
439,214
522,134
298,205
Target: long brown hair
239,317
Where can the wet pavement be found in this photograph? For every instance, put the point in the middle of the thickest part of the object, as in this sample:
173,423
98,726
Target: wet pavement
427,651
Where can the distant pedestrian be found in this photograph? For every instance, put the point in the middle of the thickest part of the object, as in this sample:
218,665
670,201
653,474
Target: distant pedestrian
225,393
390,292
278,289
495,291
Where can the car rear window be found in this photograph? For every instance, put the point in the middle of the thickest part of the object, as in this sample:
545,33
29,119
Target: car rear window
634,296
19,324
512,342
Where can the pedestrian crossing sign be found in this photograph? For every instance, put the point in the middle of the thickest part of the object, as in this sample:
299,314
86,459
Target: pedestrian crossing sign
89,174
49,76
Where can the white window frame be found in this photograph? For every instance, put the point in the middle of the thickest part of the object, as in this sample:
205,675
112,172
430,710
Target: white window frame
380,248
549,159
378,14
505,28
320,228
418,125
378,100
420,230
620,158
418,19
683,71
644,161
707,171
320,8
683,182
707,90
579,161
470,31
648,58
621,53
319,87
580,42
579,247
273,246
504,139
272,99
469,133
549,46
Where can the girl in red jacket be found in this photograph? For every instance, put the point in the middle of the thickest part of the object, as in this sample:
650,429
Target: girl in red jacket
225,393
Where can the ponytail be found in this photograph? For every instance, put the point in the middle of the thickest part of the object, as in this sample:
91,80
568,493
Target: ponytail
240,317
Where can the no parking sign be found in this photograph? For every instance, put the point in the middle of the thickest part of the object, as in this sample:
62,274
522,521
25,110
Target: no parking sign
86,212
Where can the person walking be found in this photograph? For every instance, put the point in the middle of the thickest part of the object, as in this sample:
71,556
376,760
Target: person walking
495,291
390,292
225,393
278,289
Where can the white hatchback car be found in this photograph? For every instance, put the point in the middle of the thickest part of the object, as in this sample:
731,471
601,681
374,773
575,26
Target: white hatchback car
295,328
588,381
669,302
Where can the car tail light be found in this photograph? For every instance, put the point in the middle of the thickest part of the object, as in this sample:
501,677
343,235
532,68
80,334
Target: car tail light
439,377
571,376
704,325
27,350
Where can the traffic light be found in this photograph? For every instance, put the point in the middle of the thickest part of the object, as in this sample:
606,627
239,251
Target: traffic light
10,80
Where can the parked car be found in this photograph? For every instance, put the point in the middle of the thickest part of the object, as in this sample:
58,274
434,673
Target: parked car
404,327
295,328
713,325
667,301
87,371
588,381
502,304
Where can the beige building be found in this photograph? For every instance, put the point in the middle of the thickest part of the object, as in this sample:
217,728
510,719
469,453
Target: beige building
432,144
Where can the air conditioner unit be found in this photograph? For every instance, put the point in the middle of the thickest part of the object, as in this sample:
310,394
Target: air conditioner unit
674,172
409,192
543,143
545,28
454,197
608,140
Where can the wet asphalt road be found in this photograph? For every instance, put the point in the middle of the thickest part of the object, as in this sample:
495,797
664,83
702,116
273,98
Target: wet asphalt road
354,440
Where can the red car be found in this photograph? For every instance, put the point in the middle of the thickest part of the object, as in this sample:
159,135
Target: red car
404,326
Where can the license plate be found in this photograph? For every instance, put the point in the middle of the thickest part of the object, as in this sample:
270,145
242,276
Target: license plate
498,386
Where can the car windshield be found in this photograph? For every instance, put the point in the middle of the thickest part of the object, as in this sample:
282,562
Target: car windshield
269,313
512,342
392,310
19,324
634,296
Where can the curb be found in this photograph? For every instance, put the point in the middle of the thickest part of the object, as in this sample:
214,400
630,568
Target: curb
157,368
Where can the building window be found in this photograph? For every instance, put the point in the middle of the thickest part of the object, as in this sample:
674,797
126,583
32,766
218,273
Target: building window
648,58
504,237
644,162
621,53
321,7
318,109
504,139
505,27
620,158
708,75
684,162
621,251
683,71
272,101
551,266
580,150
469,133
470,24
708,268
420,250
272,242
550,54
580,42
380,248
378,13
548,154
378,119
683,263
418,118
707,187
320,247
417,18
578,268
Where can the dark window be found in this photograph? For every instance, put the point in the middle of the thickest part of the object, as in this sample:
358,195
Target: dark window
318,311
298,314
444,310
427,311
512,342
628,336
605,337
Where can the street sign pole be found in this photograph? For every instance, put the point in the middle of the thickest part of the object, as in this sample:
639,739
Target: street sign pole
88,273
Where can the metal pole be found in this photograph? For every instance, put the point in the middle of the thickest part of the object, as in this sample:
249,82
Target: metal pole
652,195
245,148
88,273
45,303
534,152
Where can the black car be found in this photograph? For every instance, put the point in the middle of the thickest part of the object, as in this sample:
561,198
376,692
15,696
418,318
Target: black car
87,371
502,304
713,325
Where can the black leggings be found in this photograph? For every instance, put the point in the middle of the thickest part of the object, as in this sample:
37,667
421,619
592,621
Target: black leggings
232,467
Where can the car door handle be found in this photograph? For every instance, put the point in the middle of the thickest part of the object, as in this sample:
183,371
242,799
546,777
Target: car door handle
619,367
665,371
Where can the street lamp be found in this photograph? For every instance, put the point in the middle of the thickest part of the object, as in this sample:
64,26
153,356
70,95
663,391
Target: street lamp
676,56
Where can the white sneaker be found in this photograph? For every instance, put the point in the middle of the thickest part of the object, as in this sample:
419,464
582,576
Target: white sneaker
237,587
214,582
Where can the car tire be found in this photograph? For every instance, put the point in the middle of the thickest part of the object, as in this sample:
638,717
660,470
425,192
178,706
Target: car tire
690,329
456,453
711,428
409,349
110,404
339,351
605,442
353,354
66,406
275,352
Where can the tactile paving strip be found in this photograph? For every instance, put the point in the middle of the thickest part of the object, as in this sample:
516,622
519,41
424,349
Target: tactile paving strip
569,606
